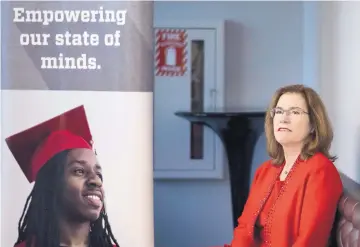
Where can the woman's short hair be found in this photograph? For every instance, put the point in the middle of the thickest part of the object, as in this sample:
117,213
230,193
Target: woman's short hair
320,138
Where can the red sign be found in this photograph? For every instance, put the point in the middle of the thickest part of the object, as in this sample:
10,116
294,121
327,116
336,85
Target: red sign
171,54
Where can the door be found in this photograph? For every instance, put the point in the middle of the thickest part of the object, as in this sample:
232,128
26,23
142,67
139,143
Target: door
182,149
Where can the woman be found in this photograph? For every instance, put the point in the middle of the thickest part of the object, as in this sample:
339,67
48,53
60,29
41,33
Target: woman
66,204
293,198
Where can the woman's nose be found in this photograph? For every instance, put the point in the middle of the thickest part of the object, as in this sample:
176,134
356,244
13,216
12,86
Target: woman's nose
95,181
285,119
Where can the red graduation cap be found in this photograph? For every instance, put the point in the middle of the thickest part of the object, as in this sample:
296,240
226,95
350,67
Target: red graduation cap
33,147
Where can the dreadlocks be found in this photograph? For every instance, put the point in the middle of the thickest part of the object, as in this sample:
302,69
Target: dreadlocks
40,218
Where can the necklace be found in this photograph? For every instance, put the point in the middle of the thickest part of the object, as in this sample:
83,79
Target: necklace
286,170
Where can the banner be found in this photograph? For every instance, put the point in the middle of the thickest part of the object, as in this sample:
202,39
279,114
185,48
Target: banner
58,55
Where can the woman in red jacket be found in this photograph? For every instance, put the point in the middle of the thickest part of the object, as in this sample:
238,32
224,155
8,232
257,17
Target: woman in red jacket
66,204
293,198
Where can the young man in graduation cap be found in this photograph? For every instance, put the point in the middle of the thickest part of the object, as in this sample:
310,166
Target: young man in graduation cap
66,204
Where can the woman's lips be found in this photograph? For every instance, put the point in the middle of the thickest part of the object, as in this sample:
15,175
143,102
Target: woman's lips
284,129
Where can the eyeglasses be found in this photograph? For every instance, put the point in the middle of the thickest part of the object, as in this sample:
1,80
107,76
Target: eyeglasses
290,112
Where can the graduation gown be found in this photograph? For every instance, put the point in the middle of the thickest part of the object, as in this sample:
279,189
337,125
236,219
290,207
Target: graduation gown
301,210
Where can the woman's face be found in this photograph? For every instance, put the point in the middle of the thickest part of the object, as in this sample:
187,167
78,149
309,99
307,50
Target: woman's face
291,120
83,193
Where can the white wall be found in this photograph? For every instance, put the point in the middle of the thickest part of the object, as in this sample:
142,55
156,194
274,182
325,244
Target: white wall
267,45
339,43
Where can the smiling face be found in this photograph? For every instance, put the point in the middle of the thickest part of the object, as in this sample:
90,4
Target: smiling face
83,193
291,120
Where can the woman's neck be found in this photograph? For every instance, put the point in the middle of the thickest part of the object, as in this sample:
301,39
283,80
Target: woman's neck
291,153
74,234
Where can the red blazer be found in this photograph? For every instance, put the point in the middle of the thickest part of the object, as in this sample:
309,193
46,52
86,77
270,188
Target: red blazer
304,212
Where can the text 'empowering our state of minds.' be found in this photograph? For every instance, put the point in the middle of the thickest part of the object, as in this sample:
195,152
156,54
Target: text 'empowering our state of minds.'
66,39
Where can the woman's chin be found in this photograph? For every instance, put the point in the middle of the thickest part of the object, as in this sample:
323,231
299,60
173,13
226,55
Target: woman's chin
92,216
283,141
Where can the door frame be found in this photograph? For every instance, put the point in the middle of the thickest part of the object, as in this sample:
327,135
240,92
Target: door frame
220,156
